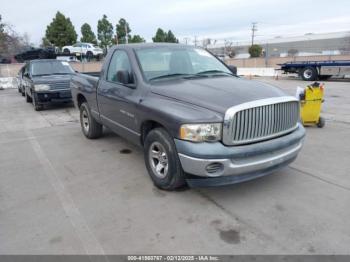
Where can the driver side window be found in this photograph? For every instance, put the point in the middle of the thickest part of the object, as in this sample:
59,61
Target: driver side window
119,61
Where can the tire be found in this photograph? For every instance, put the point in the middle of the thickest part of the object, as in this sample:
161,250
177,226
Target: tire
28,98
321,122
66,51
23,94
37,106
89,126
89,55
309,74
159,147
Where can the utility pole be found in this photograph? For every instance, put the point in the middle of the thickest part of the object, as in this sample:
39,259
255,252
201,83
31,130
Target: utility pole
186,40
254,29
126,34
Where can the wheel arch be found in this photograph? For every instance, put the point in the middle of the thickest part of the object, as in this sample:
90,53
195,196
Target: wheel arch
80,99
149,125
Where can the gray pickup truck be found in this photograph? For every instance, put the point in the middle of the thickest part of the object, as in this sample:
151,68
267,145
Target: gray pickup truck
198,123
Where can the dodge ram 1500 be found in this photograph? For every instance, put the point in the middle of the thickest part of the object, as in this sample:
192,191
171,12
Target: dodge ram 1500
197,122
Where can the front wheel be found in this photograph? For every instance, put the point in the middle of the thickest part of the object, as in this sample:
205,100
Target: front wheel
36,104
90,127
162,161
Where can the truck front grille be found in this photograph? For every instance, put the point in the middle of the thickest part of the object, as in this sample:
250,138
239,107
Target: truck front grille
59,85
260,120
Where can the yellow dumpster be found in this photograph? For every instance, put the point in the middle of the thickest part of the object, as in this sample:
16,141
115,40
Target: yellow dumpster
311,104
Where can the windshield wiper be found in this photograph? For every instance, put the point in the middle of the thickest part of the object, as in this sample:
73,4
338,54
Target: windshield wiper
61,73
42,75
213,72
169,75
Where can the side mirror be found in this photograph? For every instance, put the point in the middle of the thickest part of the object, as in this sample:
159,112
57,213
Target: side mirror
123,77
233,69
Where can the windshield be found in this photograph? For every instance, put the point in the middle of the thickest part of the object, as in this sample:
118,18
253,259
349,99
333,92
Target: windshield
162,62
51,68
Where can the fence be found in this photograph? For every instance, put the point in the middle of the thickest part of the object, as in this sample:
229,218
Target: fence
11,70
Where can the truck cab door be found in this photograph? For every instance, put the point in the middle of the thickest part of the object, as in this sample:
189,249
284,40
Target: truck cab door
117,101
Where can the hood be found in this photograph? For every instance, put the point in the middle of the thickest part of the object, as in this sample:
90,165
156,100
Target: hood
216,93
51,79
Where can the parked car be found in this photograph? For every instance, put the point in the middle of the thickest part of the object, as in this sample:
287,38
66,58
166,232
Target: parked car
47,81
86,49
4,60
20,82
36,53
197,122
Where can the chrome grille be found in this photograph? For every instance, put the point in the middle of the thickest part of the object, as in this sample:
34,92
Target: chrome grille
59,85
260,120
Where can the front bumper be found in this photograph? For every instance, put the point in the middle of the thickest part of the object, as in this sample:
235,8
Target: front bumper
64,95
214,163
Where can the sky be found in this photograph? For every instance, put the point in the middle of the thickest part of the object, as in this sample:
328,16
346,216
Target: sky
215,19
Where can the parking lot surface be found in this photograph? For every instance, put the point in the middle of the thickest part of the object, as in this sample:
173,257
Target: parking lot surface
63,194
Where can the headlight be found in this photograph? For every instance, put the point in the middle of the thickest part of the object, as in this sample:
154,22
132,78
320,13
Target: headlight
201,132
41,87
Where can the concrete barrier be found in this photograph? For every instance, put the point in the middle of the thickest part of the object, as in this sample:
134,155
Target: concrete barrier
256,71
8,82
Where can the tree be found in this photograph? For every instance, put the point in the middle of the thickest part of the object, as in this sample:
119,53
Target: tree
61,31
255,51
45,42
104,32
160,36
170,37
11,43
87,35
2,26
122,29
293,52
136,39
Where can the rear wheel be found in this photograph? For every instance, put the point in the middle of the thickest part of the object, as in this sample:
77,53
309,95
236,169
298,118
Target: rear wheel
66,51
309,74
90,127
162,161
28,98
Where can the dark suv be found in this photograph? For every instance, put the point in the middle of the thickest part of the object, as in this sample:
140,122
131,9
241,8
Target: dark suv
47,81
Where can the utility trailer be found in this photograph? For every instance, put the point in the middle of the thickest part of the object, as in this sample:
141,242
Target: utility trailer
317,70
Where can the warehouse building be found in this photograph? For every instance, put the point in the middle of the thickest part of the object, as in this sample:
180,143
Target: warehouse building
306,45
